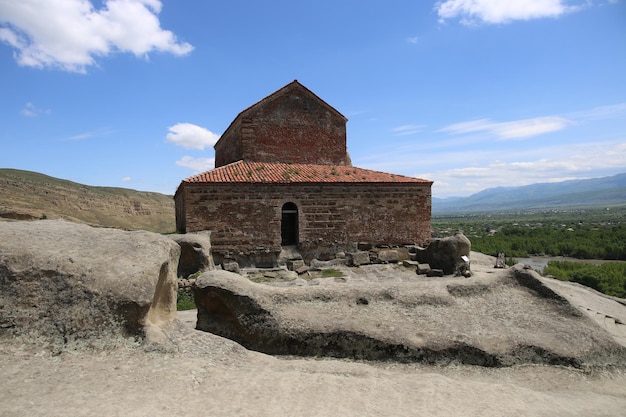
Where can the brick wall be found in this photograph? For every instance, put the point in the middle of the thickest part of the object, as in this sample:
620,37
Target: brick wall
245,218
295,127
228,148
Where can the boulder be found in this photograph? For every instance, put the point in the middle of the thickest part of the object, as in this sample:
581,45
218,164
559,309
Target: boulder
447,253
70,283
230,266
484,321
195,253
420,255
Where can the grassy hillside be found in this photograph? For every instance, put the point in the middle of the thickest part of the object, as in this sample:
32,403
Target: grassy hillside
26,195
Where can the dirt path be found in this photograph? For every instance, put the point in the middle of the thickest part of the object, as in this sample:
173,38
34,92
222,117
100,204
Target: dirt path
215,377
211,376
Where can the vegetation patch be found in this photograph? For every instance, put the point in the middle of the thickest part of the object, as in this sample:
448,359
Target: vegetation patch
260,279
185,300
331,273
608,278
582,234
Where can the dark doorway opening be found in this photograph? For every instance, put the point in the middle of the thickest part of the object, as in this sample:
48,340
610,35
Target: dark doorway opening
289,225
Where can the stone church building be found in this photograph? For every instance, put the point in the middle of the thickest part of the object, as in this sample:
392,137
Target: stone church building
283,176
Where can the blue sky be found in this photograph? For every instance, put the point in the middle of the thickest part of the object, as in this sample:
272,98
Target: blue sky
471,94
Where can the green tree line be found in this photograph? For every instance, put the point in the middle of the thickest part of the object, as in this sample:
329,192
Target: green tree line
582,242
608,278
575,233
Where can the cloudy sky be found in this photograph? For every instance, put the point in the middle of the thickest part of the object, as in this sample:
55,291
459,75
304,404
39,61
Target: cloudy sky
471,94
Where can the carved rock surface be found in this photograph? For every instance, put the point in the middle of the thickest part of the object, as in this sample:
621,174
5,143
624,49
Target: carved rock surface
491,320
66,282
195,253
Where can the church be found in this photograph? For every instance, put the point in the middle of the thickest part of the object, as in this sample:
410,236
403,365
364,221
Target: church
283,177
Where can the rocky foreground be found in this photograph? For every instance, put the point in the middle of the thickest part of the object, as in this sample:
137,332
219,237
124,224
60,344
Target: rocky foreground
87,327
383,312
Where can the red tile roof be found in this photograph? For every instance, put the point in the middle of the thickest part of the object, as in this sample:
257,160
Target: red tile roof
263,172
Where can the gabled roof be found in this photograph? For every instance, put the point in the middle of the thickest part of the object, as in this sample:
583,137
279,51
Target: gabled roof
282,173
295,84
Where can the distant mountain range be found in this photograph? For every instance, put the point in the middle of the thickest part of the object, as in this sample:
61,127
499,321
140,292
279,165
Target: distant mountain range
606,191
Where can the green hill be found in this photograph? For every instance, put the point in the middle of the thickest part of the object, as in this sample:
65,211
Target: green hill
26,195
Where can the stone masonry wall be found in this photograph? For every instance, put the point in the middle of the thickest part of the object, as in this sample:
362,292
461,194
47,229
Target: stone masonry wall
228,148
293,128
245,218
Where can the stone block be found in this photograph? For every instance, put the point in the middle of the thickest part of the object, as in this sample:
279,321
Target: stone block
294,264
230,266
434,273
302,270
364,246
422,268
359,258
391,255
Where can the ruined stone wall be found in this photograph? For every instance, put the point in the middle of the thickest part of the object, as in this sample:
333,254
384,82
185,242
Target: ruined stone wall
245,218
294,128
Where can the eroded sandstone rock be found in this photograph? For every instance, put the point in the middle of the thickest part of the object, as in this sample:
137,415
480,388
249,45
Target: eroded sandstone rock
495,320
71,283
195,255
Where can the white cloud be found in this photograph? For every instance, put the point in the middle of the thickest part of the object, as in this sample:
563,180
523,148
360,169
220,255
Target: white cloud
500,11
30,110
127,179
91,134
601,113
70,34
479,154
191,136
563,162
516,129
407,130
413,39
196,164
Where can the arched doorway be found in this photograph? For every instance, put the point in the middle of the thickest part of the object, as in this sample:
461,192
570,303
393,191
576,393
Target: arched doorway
289,225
